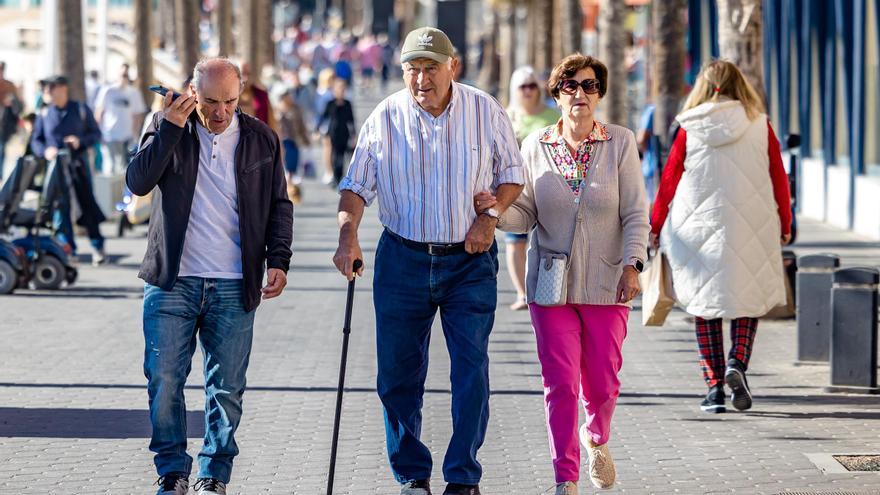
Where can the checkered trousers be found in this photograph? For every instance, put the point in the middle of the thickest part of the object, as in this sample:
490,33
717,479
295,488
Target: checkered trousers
711,344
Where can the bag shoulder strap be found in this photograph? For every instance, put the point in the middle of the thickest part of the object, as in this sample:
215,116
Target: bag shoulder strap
575,224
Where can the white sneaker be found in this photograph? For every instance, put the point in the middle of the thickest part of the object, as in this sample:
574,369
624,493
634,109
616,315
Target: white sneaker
416,487
327,179
210,486
567,488
173,484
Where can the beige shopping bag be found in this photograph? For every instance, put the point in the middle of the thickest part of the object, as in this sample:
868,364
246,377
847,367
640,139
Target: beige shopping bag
658,296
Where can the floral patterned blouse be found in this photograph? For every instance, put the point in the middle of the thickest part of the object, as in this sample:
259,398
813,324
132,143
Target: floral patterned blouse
573,168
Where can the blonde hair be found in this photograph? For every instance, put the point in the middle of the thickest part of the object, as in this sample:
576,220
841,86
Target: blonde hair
326,77
720,78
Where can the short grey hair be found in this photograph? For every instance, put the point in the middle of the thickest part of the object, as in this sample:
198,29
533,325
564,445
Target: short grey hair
212,65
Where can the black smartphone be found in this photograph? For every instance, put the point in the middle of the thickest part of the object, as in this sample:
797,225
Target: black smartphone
162,90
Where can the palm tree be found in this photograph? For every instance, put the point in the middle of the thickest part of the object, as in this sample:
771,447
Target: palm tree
611,43
667,59
740,38
490,72
566,31
540,42
256,35
224,28
187,24
266,31
167,27
70,46
506,48
143,46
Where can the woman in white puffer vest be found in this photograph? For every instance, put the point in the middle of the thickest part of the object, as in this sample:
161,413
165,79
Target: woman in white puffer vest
724,208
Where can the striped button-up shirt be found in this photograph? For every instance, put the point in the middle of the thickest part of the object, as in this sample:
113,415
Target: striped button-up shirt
426,170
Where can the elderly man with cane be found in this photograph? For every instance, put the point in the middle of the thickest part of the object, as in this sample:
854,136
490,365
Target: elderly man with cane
424,152
221,217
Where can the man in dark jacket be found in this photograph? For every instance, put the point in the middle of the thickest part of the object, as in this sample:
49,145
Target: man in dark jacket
65,123
220,215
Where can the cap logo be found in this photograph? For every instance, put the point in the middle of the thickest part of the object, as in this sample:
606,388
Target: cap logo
425,40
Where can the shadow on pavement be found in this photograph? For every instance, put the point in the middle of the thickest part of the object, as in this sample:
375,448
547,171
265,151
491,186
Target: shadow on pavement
86,423
251,389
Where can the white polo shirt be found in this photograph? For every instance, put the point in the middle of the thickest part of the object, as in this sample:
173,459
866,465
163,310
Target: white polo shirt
212,246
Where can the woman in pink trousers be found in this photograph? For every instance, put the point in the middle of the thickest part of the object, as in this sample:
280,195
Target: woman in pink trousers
584,198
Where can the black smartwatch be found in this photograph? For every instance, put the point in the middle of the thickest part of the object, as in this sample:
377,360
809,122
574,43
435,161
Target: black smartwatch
638,265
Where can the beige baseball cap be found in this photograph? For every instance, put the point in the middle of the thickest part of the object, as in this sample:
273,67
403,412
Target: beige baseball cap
426,42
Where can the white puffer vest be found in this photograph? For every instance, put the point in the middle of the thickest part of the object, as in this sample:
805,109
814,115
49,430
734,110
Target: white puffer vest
722,233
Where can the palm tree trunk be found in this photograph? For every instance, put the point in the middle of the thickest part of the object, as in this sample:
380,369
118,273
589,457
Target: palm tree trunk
740,39
143,46
266,29
668,63
167,23
611,43
507,51
224,28
540,38
490,71
253,32
573,26
70,47
187,24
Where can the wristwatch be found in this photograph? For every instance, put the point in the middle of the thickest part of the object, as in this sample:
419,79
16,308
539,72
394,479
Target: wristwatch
637,264
492,212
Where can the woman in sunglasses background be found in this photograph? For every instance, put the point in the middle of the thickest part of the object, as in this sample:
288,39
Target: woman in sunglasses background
585,198
528,113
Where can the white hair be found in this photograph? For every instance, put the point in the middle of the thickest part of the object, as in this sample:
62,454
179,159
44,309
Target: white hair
207,66
448,63
519,77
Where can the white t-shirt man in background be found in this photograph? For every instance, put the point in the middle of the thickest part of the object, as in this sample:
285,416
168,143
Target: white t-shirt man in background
119,109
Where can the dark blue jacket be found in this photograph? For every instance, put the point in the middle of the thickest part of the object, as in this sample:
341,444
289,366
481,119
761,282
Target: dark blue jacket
54,124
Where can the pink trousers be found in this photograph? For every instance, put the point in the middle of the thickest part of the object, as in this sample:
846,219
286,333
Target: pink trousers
579,349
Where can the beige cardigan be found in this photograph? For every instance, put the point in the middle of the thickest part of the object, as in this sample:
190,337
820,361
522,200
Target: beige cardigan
610,223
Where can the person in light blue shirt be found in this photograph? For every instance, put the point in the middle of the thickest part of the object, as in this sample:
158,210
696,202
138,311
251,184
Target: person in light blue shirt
423,153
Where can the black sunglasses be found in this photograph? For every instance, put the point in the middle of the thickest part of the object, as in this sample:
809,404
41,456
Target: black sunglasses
570,86
532,86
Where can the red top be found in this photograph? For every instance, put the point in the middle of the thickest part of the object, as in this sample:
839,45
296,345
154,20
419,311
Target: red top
675,167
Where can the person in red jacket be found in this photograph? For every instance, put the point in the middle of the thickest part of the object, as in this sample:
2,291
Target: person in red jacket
725,203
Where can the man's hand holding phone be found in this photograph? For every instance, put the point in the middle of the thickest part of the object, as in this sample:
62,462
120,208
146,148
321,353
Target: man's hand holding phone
177,110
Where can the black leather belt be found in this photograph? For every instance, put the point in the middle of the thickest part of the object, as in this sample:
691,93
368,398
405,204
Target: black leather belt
428,247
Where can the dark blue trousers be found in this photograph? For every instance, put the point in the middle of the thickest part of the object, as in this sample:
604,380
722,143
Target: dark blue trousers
409,287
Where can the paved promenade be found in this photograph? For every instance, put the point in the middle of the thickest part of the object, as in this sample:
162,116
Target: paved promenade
73,404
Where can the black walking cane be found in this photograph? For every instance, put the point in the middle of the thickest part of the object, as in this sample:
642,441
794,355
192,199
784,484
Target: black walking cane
346,330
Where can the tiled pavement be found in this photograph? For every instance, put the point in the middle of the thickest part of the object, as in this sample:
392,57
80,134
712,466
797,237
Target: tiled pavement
73,414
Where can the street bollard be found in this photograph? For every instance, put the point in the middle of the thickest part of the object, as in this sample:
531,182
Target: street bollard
813,307
854,331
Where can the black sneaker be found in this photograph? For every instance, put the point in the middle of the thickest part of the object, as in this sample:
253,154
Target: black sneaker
458,489
735,376
714,401
173,484
416,487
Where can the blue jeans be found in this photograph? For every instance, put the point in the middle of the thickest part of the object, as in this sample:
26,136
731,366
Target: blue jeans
291,156
409,286
213,309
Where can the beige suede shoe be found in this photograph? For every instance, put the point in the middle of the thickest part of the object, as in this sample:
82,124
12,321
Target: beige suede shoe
567,488
602,472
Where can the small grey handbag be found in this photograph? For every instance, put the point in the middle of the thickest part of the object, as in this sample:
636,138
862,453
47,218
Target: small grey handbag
552,286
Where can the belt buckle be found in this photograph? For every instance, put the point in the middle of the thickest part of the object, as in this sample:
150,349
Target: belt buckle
437,249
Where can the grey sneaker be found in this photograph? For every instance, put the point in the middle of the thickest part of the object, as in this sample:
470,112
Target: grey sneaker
416,487
210,486
567,488
173,484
